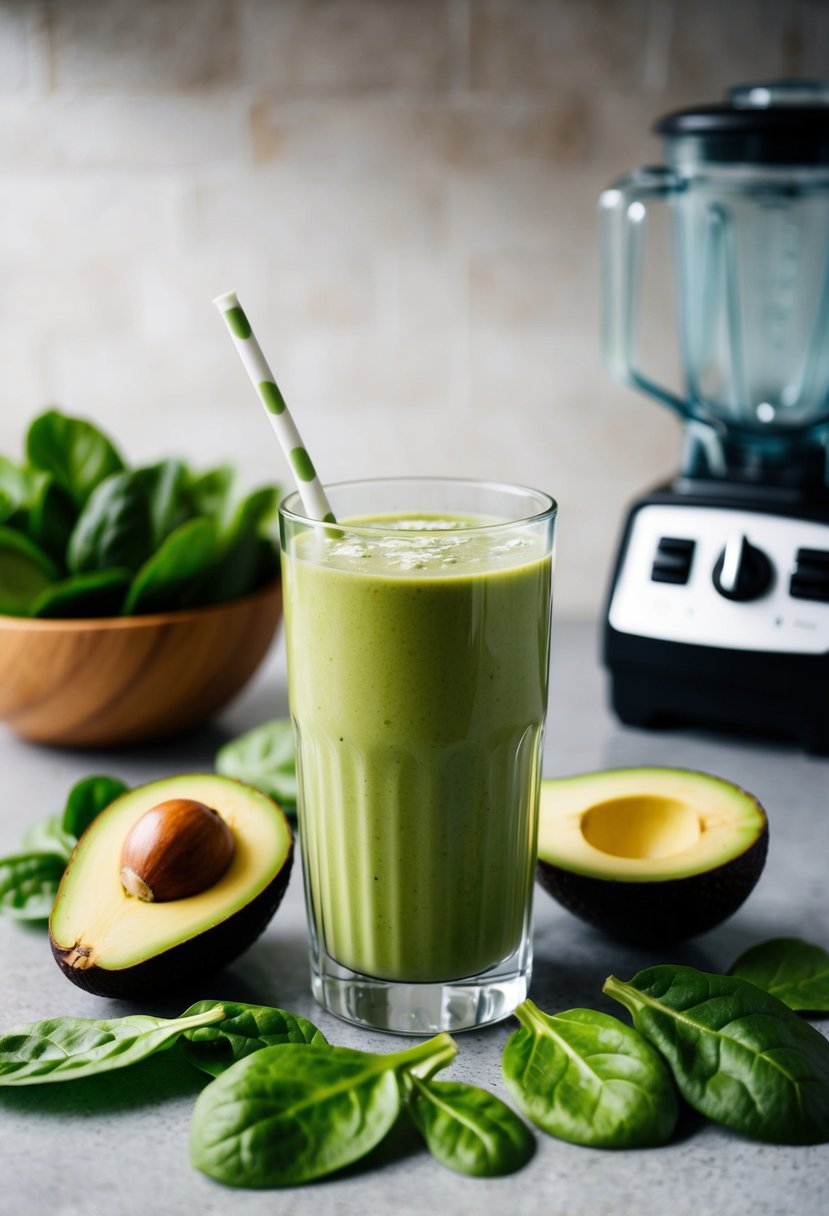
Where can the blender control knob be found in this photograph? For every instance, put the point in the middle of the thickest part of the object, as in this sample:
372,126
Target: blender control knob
742,571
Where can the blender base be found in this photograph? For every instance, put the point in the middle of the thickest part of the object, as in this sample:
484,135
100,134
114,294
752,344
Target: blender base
661,685
679,654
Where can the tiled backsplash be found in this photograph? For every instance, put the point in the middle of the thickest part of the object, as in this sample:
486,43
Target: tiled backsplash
404,194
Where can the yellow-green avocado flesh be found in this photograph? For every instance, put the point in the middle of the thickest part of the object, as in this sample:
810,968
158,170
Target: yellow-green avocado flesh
113,944
650,855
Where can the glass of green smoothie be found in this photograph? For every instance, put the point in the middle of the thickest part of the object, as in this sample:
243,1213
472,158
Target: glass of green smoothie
418,634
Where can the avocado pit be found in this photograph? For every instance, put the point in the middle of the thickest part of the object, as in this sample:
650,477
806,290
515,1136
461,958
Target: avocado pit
176,849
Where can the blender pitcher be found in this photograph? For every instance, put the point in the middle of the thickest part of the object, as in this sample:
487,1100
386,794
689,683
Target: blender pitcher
748,188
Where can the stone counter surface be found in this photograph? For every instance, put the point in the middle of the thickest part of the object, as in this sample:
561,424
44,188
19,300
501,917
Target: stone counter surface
117,1145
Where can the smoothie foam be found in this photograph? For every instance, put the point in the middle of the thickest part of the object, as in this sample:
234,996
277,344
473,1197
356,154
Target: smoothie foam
418,654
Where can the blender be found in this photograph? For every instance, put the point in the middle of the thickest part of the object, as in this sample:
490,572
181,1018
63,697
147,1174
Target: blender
718,612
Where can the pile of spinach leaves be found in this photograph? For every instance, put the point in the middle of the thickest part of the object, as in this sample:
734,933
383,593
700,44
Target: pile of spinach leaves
84,535
283,1106
735,1053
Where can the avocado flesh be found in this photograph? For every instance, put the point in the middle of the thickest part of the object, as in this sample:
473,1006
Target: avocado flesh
107,941
650,855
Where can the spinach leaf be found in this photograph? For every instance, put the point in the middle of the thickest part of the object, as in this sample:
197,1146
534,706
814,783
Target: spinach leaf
87,798
245,1029
255,513
264,757
97,594
246,563
49,836
165,578
33,503
15,488
59,833
210,494
63,1049
794,971
469,1130
738,1055
29,880
246,556
28,884
50,518
586,1077
290,1114
78,456
25,571
114,528
167,486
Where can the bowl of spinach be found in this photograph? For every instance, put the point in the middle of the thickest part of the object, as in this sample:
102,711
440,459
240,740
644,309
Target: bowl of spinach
134,601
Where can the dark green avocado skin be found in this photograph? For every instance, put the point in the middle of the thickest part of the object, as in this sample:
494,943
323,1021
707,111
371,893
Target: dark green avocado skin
192,960
658,913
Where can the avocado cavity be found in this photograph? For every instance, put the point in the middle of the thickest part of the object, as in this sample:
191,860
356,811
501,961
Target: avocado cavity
646,827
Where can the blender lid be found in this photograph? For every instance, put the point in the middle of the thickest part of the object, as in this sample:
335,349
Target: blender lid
775,122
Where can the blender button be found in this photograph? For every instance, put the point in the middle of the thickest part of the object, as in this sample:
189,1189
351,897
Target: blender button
810,580
665,572
676,544
672,563
802,588
813,557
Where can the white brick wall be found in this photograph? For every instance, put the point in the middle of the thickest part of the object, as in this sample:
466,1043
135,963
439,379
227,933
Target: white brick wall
402,191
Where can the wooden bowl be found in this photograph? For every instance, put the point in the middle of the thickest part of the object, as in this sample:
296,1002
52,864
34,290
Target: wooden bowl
126,680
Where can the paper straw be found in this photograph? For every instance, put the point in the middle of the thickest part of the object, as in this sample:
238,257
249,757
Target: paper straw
262,378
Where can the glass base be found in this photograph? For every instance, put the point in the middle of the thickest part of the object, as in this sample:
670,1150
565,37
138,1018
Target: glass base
422,1009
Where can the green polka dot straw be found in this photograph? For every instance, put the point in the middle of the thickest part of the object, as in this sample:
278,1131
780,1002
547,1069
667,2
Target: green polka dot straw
262,379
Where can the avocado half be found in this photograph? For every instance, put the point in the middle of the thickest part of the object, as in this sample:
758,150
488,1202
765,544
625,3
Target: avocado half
113,944
650,855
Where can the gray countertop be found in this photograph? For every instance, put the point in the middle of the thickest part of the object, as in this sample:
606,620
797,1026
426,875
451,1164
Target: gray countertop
117,1145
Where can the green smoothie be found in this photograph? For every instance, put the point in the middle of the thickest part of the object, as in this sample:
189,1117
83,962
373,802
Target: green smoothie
417,659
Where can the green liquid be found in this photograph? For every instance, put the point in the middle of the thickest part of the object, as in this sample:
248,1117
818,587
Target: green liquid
418,683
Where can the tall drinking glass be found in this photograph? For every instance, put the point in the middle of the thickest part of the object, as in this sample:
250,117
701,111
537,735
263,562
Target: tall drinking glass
418,638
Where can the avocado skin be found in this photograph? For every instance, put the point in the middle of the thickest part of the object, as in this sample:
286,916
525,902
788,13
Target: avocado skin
658,913
165,973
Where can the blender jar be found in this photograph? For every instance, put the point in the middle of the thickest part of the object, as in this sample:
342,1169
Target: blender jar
748,188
